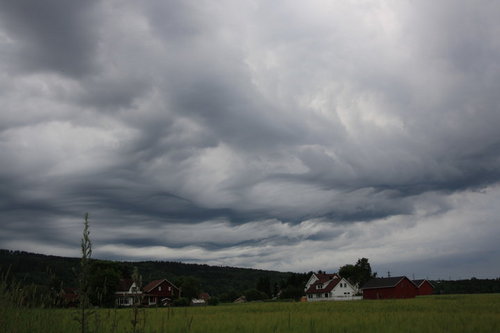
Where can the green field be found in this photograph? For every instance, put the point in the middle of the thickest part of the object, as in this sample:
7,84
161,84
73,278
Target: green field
449,313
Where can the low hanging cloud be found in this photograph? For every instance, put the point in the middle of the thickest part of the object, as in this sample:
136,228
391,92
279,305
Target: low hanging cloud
278,135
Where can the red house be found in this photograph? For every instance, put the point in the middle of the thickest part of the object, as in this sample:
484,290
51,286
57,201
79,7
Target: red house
424,287
69,297
160,292
393,287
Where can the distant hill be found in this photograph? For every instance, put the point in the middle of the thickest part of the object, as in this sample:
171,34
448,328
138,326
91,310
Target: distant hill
42,269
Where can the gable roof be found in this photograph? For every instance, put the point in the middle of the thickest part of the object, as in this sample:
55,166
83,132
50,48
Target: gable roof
153,284
385,282
124,284
323,277
331,280
419,283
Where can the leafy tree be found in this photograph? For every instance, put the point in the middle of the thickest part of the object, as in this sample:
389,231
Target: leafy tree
190,286
291,291
213,301
348,272
297,280
255,295
104,278
359,273
364,271
276,289
183,301
229,296
264,285
294,286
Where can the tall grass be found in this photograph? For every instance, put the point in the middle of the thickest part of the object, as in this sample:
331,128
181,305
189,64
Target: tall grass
454,313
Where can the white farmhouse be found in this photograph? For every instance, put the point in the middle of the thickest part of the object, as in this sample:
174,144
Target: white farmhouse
329,287
127,292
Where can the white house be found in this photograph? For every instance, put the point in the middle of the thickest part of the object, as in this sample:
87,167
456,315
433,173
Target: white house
127,291
329,287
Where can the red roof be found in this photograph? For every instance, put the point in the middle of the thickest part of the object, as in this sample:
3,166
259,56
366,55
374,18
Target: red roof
419,283
124,285
204,296
323,280
153,284
327,277
389,282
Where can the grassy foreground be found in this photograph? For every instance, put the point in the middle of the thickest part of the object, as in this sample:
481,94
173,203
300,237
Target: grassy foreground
450,313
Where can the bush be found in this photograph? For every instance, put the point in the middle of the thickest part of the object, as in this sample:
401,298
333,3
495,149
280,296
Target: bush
213,301
183,301
255,295
229,296
292,292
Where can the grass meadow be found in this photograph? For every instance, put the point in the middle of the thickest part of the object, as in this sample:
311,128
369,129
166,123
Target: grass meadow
446,313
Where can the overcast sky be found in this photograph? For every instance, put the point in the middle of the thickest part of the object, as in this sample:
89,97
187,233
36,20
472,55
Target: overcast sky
284,135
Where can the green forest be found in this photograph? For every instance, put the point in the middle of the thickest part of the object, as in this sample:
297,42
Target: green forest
227,283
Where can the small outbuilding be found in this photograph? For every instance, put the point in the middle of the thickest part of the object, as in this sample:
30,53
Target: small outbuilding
424,287
392,287
241,299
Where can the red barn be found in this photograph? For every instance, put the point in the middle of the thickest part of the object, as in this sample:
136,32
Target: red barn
160,292
424,287
393,287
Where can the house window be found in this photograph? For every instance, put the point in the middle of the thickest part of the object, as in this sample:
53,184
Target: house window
326,295
319,286
159,288
169,288
310,296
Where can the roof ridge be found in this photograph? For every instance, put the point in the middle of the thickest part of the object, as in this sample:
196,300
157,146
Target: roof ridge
157,282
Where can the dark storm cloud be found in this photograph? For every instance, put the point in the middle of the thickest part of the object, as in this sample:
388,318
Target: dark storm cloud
237,133
54,35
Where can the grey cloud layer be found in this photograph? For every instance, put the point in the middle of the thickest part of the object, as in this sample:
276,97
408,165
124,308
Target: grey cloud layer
226,115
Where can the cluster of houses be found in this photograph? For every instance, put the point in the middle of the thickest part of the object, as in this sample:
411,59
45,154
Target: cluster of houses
155,293
319,287
332,287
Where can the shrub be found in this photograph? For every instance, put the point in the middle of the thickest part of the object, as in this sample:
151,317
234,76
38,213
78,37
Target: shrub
183,301
213,301
255,295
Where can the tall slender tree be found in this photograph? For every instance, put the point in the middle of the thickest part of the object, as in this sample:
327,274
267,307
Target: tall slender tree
83,278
